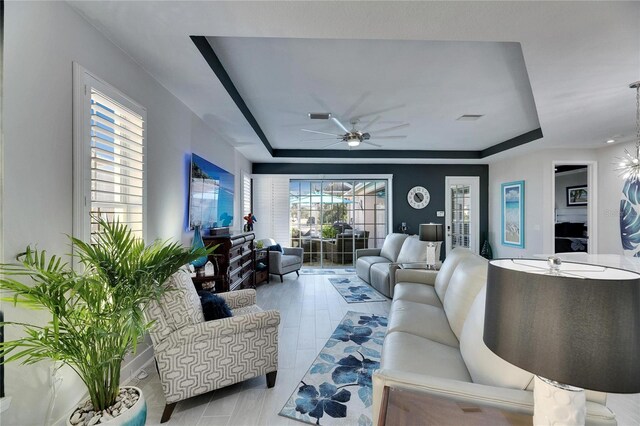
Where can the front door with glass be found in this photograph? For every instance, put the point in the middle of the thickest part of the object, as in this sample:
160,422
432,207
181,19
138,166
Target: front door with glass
462,218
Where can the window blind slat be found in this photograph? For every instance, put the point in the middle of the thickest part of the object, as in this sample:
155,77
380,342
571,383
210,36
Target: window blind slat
132,180
116,130
133,162
122,121
96,96
117,167
120,140
133,154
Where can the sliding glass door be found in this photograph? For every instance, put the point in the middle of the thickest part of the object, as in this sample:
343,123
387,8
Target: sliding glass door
330,219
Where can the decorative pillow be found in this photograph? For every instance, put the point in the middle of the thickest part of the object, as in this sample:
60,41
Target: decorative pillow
276,247
213,306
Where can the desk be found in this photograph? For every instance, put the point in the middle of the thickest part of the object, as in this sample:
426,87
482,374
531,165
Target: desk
410,407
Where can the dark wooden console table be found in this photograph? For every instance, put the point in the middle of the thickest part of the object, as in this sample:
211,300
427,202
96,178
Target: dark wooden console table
234,260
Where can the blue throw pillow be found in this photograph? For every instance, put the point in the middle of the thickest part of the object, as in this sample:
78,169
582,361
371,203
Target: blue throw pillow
213,306
276,247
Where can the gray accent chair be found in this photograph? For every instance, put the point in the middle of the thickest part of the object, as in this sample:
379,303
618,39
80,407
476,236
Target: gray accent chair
194,356
290,260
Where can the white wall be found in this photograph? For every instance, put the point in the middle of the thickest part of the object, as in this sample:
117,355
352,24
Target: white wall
42,40
536,170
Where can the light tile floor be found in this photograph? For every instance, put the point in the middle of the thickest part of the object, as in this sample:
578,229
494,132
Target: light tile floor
310,310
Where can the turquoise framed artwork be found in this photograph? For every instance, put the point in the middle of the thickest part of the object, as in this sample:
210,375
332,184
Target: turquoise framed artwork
513,214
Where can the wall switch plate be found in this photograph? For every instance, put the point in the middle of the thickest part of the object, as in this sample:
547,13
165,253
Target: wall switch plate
440,213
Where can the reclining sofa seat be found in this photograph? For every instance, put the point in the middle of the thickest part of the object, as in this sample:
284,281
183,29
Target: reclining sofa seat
434,343
377,266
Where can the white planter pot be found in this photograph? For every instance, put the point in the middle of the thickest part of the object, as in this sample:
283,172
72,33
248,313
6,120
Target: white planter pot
134,416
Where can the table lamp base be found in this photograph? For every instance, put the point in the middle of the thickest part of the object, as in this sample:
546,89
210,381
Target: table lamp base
557,404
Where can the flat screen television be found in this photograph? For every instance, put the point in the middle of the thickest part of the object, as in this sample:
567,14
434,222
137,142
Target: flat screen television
210,195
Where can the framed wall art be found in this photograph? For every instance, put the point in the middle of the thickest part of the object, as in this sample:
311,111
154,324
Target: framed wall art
577,195
512,211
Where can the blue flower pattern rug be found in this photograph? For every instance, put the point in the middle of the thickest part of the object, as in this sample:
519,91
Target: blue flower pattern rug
354,290
337,388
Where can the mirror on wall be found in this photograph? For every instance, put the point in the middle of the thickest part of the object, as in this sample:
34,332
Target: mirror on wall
571,228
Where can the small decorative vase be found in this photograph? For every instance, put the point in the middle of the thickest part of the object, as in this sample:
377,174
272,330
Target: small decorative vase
197,244
134,416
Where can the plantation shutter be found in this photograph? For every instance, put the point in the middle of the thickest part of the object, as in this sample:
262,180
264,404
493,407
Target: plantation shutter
246,194
117,163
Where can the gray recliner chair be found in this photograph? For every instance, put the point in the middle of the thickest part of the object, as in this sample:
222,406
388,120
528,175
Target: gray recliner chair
282,263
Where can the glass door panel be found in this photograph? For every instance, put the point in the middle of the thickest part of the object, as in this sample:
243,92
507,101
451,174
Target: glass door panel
462,215
331,219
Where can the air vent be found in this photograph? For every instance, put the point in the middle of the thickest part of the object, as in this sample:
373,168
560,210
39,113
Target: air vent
319,115
469,117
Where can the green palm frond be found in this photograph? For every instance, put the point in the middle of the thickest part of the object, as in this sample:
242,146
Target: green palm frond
96,313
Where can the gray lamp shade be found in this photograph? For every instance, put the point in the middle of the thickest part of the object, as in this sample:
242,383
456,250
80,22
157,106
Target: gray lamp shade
580,328
431,232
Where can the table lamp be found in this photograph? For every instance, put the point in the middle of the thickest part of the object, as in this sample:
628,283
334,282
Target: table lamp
433,233
574,326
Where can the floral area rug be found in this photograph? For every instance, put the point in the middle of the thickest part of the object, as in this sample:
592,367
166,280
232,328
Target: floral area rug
320,271
354,290
337,388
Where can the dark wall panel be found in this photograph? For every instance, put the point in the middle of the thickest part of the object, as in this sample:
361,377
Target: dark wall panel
405,176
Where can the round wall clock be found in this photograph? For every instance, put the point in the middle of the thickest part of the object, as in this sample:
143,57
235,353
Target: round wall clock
418,197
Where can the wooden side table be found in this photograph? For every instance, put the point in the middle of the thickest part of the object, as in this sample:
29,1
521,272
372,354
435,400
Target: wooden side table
409,407
262,256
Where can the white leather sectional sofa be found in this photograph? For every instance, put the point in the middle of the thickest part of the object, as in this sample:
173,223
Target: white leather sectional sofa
434,343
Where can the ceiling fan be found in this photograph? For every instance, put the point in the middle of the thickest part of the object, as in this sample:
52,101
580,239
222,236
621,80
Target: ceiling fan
353,137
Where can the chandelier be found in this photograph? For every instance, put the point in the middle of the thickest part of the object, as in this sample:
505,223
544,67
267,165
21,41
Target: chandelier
629,165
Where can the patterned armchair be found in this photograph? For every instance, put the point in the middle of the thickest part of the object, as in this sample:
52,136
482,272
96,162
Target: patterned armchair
194,357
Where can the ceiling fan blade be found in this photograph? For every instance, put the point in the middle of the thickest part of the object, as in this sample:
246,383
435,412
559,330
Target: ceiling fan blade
332,144
369,124
372,144
399,126
378,112
321,139
389,137
355,106
339,124
320,133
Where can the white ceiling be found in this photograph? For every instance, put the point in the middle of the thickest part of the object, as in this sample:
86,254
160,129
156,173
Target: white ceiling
426,84
580,58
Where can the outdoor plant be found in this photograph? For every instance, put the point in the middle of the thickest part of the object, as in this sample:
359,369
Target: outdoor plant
328,231
96,312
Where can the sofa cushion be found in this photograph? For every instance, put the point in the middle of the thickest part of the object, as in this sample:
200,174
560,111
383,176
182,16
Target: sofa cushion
413,354
485,366
379,278
288,260
465,283
446,270
422,320
413,250
363,265
418,293
392,246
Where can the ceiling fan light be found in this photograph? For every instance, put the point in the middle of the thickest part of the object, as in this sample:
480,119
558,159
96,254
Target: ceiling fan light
353,142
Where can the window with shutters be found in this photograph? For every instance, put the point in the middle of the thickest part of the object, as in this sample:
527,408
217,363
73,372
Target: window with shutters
109,144
246,194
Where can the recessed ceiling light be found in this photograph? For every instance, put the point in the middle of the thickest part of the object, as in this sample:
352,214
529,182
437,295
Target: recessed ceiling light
611,141
469,117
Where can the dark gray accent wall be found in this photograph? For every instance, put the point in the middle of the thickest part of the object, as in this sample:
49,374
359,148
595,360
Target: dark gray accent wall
405,177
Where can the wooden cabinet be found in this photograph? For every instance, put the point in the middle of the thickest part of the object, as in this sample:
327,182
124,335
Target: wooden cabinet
234,260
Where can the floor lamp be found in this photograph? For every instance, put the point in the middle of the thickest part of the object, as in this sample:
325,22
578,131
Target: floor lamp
433,234
575,326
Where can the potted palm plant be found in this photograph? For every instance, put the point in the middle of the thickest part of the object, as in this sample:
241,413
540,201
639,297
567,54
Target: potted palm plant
96,313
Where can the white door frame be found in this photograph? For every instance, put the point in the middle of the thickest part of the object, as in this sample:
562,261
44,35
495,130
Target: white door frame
474,231
592,211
